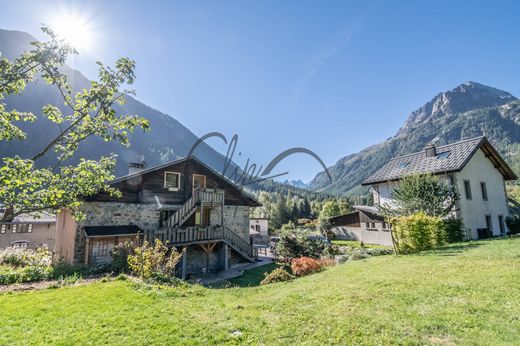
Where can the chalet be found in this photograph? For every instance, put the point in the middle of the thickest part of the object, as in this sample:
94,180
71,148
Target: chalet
363,224
259,226
183,203
473,166
28,231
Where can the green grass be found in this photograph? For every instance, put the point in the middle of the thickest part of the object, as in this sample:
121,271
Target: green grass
355,243
253,277
464,294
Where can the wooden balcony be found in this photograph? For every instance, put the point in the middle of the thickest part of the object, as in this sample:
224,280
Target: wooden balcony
200,235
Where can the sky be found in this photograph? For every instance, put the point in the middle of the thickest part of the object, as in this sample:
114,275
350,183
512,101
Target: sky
330,76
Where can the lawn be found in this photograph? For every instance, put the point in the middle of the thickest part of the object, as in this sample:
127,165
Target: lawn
464,294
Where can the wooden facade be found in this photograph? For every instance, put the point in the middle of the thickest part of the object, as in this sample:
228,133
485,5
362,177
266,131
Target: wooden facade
146,186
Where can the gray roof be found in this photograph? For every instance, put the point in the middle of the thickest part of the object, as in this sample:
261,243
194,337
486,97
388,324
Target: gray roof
450,158
366,208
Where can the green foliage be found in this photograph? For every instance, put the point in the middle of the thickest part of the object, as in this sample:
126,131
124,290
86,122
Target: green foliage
421,193
277,275
298,244
513,224
146,261
417,232
25,186
16,257
25,265
120,255
454,229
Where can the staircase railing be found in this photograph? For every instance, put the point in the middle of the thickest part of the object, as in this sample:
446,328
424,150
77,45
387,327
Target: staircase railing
193,235
200,196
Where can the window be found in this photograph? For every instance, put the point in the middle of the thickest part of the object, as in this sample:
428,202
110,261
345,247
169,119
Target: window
484,191
467,189
14,229
489,226
404,164
22,244
443,155
385,225
29,228
100,249
3,228
501,224
258,228
172,180
367,224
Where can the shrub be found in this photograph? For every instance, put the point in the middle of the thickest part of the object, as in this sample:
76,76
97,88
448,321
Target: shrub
305,266
417,232
513,224
40,256
120,255
277,275
298,244
148,260
26,274
358,254
454,229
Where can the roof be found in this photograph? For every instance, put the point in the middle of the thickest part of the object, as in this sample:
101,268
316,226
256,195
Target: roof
366,208
449,158
41,217
104,231
221,176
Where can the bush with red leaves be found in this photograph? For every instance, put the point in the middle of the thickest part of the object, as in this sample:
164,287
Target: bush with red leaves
305,265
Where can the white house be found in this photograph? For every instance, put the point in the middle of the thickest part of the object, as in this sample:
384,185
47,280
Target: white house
473,165
260,225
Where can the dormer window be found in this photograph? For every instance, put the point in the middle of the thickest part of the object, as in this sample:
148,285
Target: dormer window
172,181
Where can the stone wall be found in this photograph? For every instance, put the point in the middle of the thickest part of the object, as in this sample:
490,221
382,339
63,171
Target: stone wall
235,217
146,216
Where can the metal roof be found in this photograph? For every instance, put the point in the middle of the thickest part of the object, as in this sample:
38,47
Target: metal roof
449,158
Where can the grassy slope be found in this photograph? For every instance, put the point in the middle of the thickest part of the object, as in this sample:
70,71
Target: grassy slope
467,294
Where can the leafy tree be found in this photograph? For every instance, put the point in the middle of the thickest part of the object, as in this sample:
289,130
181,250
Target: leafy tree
24,185
421,193
330,209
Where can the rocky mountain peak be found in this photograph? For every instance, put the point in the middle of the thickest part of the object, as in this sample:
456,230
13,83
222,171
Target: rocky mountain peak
465,97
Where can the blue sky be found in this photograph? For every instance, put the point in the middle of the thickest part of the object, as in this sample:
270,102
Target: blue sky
331,76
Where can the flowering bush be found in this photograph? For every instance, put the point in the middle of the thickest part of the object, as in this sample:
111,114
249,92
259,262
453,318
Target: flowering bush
277,275
25,265
41,257
147,260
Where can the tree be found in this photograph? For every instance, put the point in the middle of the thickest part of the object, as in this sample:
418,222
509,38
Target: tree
421,193
26,187
330,209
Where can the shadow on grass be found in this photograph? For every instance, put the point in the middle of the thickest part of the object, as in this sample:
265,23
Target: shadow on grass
454,249
250,278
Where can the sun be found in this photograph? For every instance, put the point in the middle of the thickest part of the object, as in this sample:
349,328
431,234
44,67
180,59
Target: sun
74,29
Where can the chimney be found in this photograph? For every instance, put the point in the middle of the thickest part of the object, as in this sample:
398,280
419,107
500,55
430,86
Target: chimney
430,150
134,167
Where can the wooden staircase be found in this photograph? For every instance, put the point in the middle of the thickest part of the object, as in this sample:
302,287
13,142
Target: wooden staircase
200,197
174,234
201,235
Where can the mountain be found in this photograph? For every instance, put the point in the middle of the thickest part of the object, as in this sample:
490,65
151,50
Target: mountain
295,183
167,140
469,110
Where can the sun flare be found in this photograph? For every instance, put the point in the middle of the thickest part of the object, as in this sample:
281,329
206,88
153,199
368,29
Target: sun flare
75,30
